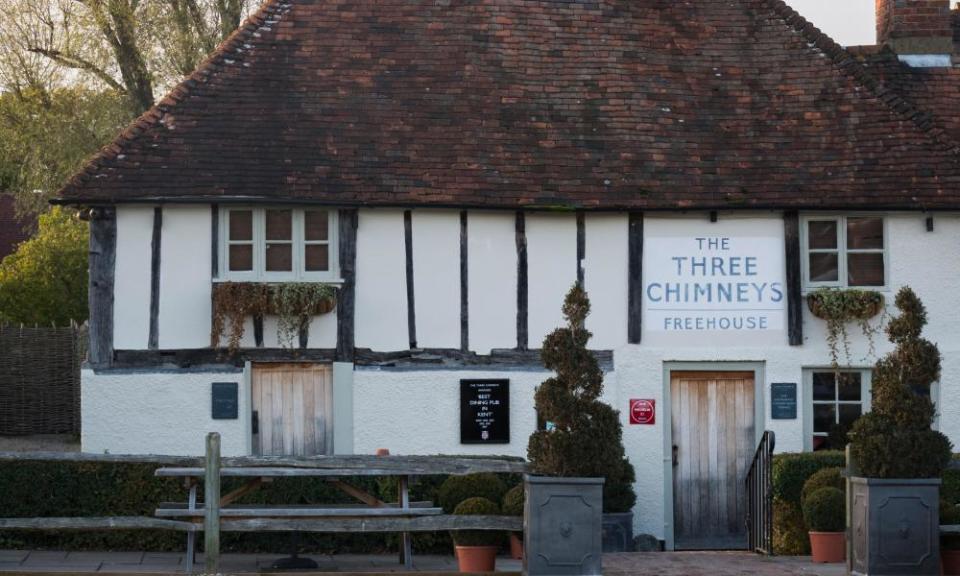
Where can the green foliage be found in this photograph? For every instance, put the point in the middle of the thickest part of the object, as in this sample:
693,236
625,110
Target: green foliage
457,489
294,303
587,438
824,510
45,280
824,478
513,501
841,307
789,532
950,498
895,439
477,507
790,474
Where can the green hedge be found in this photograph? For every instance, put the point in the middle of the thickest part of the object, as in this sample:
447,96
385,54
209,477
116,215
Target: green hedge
790,472
37,489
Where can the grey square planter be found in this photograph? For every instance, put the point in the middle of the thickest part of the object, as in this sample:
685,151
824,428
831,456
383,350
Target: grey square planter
618,532
895,527
563,524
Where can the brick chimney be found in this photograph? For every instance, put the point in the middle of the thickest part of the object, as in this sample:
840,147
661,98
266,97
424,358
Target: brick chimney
915,26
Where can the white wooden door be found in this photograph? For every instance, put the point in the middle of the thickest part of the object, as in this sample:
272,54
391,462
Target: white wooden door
293,404
713,444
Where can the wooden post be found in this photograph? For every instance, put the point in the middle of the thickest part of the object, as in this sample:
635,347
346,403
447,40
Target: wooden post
791,221
211,505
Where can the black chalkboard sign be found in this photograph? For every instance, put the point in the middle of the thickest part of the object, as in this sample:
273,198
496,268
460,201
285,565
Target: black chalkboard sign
225,401
484,411
783,401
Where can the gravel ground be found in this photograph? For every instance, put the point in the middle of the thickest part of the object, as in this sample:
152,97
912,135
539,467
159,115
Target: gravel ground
43,443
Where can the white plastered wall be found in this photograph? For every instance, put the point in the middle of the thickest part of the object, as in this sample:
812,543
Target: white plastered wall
436,277
605,277
381,289
131,302
185,277
159,413
492,282
551,271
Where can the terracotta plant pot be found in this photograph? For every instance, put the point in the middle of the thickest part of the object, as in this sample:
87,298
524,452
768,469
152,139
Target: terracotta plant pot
950,562
828,547
477,558
516,545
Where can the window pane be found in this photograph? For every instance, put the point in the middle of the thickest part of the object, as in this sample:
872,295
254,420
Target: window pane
865,269
241,258
317,257
279,257
279,225
824,267
849,413
241,225
317,224
820,443
849,386
824,386
822,234
824,417
865,233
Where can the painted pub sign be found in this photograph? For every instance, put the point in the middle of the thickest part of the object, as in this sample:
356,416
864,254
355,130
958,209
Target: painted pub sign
484,411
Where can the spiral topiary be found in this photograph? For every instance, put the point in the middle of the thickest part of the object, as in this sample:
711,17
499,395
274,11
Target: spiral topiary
825,510
457,489
477,507
895,439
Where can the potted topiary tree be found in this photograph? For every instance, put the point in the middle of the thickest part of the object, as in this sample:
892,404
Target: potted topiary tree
824,512
898,457
580,450
513,506
477,549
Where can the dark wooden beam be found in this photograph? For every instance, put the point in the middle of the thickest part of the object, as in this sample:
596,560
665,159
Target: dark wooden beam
411,300
522,283
215,241
635,278
303,335
464,284
153,340
581,247
346,297
791,225
102,264
258,330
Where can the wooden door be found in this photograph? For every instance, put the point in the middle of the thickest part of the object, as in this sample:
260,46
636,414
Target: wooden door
713,445
293,404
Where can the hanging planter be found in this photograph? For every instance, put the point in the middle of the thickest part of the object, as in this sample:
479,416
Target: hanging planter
841,307
293,303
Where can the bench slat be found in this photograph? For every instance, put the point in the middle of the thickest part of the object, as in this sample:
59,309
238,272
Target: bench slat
184,506
89,523
300,512
374,524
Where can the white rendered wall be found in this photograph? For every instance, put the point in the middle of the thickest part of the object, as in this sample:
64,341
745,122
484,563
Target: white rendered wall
381,289
159,413
436,277
131,302
492,283
551,271
185,278
606,269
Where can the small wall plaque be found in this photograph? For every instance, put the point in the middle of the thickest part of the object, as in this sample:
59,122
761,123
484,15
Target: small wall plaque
783,401
225,401
484,411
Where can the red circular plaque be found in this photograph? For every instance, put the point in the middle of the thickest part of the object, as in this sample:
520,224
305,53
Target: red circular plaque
643,412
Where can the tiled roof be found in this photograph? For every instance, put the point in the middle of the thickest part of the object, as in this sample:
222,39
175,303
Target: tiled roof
609,104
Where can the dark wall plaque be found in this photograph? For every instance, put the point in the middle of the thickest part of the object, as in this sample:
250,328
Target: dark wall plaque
225,401
783,401
484,411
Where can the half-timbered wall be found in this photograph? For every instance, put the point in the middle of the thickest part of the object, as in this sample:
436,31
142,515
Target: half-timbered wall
131,302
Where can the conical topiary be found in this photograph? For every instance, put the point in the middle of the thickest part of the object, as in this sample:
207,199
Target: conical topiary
895,439
586,437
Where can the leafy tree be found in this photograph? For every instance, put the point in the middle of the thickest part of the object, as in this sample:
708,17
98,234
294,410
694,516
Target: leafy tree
586,438
895,439
45,280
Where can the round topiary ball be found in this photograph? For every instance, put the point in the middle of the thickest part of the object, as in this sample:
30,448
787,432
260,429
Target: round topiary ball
477,507
823,478
456,489
825,510
513,501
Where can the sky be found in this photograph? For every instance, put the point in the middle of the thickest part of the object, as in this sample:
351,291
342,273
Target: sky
849,22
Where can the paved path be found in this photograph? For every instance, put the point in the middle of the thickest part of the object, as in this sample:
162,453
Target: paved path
637,564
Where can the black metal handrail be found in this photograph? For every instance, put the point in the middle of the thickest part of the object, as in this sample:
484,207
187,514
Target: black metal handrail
760,496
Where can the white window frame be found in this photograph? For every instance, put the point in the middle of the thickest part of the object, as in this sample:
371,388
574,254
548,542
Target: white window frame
842,251
866,398
259,273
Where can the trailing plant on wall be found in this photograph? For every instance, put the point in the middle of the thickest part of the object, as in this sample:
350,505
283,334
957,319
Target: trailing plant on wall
895,439
586,437
841,307
293,304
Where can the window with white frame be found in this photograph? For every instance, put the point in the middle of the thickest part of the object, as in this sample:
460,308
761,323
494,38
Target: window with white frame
845,251
279,244
834,401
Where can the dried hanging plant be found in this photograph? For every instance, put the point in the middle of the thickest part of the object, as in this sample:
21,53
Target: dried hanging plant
233,302
294,303
840,307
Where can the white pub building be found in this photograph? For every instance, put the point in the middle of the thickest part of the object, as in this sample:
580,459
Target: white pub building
452,168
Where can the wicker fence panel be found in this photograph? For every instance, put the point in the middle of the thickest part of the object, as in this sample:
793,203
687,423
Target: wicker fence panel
40,379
